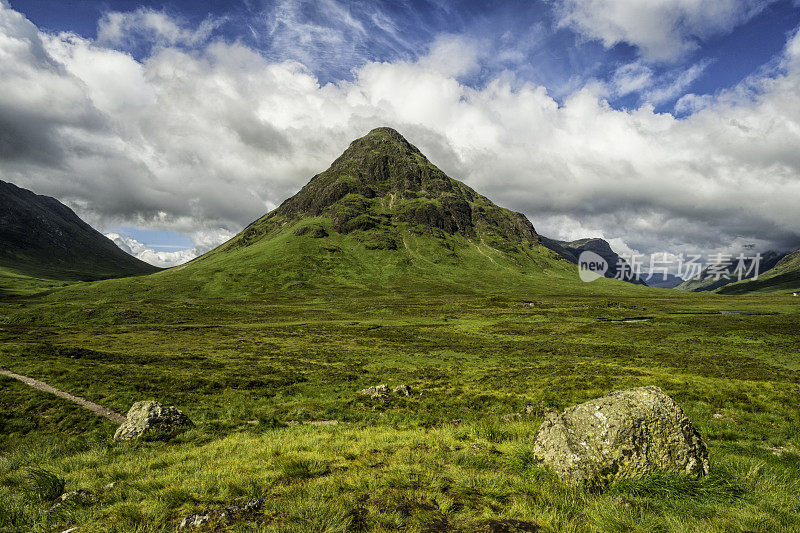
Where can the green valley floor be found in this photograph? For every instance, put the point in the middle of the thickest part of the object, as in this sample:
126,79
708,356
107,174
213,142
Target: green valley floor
250,371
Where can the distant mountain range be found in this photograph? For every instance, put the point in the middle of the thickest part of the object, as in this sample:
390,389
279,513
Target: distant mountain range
660,281
708,280
42,237
618,268
784,277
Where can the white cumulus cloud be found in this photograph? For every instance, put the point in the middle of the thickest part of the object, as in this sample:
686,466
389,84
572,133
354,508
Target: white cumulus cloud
662,30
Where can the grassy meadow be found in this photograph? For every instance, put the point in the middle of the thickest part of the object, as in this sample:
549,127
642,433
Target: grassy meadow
258,375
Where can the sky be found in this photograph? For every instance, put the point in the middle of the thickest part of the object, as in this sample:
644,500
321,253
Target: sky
659,125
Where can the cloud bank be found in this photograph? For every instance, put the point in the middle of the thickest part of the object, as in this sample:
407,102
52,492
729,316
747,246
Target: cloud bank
202,136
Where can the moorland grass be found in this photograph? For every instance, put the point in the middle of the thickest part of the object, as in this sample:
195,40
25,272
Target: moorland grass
245,369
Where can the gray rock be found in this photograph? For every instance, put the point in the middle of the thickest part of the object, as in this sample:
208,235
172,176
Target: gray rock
402,390
151,419
625,434
221,515
511,417
76,497
376,391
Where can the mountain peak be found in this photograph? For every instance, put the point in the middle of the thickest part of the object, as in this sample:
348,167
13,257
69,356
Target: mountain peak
383,185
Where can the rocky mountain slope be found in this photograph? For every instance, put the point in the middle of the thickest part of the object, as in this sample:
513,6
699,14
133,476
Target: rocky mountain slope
571,251
42,237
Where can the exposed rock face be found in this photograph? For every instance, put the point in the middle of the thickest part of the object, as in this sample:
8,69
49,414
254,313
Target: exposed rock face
152,419
625,434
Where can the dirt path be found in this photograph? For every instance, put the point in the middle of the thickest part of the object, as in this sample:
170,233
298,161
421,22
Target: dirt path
86,404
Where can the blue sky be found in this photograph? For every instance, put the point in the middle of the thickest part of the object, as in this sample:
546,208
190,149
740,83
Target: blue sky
543,53
662,126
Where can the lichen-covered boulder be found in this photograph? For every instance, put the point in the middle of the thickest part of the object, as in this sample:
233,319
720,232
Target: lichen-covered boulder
151,419
625,434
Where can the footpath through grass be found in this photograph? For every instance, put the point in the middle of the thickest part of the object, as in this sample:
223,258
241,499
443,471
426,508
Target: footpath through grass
442,459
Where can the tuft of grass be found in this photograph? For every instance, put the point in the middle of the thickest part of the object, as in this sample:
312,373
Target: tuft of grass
719,485
302,468
43,485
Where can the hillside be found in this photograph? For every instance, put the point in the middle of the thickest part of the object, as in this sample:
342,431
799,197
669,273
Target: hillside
783,277
707,282
618,268
41,237
382,217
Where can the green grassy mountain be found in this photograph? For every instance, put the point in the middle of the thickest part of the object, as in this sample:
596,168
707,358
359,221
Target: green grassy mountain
783,277
381,217
41,237
707,281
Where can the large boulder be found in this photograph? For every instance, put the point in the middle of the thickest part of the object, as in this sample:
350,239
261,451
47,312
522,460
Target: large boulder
151,419
625,434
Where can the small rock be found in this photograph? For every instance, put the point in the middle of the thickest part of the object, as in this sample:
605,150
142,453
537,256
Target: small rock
111,485
716,416
510,417
222,514
376,391
625,434
70,530
79,496
193,521
402,390
150,418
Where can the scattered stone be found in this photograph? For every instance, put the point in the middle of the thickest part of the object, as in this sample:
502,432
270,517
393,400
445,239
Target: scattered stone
151,419
381,392
376,391
111,485
70,530
511,417
402,390
625,434
717,416
79,496
221,515
74,497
